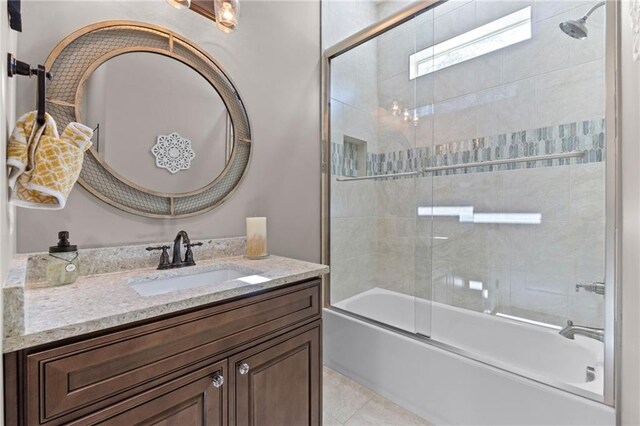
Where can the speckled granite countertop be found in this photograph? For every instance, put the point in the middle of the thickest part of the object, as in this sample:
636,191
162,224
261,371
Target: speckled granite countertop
102,301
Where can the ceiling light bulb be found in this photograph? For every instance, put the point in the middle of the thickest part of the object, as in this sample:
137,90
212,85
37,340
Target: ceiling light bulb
180,4
226,14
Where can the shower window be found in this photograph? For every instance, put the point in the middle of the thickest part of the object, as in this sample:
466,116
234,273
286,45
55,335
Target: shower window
482,202
503,32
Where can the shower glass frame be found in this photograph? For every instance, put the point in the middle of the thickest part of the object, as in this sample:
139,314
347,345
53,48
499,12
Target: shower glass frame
612,300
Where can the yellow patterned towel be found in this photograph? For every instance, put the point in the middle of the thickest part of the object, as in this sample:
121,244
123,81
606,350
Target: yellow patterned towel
23,143
45,165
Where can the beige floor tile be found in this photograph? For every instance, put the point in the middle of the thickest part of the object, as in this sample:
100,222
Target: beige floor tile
327,420
342,396
380,411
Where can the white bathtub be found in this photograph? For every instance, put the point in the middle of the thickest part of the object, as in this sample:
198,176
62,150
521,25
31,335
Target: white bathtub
447,388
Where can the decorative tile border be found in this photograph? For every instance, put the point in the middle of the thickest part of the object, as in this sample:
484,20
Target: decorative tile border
351,165
587,135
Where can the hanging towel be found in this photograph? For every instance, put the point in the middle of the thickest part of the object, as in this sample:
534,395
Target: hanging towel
23,143
45,165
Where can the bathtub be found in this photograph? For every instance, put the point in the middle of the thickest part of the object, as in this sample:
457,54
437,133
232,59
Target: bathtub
502,385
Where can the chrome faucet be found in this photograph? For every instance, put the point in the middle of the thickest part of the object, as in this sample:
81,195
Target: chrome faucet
570,330
177,261
596,287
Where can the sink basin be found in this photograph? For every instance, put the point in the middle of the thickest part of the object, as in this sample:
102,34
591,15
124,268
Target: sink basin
167,285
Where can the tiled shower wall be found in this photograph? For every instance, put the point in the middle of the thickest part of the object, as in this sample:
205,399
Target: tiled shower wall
527,270
586,136
354,103
549,82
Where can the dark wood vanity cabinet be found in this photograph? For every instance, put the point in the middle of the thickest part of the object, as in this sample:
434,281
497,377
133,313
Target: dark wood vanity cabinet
254,360
278,385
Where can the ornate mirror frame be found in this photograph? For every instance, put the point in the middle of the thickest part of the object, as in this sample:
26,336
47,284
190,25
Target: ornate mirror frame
78,55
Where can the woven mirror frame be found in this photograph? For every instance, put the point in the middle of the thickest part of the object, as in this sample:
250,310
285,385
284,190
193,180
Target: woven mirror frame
73,61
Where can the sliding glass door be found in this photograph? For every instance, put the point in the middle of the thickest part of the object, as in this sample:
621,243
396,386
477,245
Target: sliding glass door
518,194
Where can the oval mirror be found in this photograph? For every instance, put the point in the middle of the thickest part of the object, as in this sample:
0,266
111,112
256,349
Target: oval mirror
172,137
133,112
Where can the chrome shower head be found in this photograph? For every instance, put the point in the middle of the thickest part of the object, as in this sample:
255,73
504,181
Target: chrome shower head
575,29
578,29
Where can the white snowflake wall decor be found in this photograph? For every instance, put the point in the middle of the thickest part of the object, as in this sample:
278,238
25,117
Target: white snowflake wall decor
173,152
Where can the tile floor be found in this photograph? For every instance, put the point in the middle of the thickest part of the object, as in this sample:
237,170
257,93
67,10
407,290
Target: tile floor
351,404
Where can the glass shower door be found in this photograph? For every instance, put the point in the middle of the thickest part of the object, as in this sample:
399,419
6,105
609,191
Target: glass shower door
420,63
373,123
517,207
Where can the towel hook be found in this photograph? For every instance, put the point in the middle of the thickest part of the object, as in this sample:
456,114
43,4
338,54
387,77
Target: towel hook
16,67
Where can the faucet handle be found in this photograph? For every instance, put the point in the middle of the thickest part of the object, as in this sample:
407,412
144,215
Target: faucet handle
164,257
187,245
188,256
163,248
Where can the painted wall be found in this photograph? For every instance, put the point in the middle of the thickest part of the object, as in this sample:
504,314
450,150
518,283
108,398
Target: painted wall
273,59
7,112
7,116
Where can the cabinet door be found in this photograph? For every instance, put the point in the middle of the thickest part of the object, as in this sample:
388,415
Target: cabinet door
278,384
197,399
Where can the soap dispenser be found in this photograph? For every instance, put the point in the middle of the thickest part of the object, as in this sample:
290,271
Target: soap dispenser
63,266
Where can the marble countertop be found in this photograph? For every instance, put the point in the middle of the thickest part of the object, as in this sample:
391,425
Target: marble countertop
102,301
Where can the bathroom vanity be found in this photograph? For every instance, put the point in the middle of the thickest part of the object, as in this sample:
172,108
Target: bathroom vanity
226,353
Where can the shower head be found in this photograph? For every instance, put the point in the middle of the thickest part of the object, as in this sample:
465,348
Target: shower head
578,29
575,29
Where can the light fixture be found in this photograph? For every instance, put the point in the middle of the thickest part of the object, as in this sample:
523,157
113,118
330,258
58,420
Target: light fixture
180,4
226,14
406,115
395,108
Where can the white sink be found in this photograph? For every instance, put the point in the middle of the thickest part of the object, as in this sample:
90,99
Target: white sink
167,285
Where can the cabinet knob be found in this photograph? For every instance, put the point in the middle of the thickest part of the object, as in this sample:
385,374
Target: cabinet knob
243,368
218,380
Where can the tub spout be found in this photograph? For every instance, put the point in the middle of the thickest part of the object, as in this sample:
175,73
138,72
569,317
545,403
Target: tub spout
570,330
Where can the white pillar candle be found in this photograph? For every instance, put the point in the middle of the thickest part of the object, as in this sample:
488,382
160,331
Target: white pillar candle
256,236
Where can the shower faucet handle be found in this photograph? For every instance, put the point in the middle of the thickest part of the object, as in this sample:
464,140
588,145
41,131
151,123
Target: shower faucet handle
595,287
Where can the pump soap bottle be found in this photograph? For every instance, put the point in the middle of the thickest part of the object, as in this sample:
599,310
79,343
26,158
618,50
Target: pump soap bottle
63,266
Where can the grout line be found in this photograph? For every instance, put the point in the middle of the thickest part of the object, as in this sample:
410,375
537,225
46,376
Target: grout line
363,405
351,381
374,394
